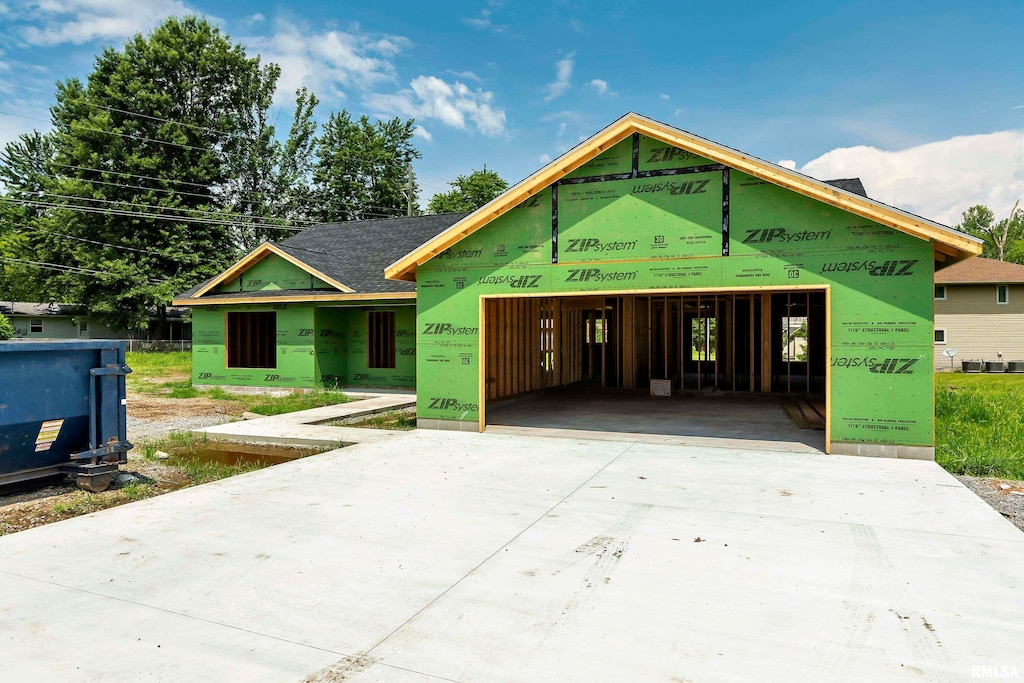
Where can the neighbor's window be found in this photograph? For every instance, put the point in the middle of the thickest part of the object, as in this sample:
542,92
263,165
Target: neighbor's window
703,339
35,326
381,339
940,292
83,328
794,338
1002,294
940,336
252,340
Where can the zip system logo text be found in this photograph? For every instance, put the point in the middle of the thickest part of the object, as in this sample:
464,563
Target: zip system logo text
453,404
513,281
596,275
874,268
885,366
448,330
765,235
592,244
674,187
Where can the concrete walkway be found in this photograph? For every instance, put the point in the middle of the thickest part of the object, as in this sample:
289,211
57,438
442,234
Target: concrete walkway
304,428
483,557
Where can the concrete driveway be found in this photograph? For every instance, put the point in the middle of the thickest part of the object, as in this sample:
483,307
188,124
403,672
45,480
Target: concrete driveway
448,556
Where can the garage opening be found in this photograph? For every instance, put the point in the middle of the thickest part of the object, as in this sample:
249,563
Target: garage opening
592,362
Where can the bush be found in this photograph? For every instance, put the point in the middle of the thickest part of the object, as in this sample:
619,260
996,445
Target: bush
6,328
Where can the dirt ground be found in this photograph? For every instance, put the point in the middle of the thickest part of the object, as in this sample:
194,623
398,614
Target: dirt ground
149,417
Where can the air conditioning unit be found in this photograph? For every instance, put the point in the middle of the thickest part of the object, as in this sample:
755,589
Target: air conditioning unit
995,366
1015,366
971,366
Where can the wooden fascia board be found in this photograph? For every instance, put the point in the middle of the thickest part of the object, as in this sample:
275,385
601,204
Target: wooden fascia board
258,254
362,296
404,268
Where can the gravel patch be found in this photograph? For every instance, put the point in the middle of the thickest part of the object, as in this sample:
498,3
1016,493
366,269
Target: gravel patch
140,428
1006,496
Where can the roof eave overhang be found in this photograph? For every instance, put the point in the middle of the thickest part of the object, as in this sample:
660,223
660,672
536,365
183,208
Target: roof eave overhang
308,298
947,242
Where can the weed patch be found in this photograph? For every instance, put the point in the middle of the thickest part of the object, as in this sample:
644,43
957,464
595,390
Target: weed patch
979,425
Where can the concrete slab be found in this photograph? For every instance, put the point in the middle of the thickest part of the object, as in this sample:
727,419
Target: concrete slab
454,556
304,428
723,421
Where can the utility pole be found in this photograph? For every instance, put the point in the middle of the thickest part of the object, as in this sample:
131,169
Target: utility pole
408,194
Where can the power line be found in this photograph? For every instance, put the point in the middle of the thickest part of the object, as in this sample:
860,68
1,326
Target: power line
186,182
202,212
119,111
59,267
82,239
139,214
134,138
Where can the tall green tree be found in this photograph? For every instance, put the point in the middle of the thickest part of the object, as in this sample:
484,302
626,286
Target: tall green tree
177,109
1003,239
364,169
6,328
469,192
268,179
25,168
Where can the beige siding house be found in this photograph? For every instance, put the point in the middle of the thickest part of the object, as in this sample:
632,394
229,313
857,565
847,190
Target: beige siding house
979,312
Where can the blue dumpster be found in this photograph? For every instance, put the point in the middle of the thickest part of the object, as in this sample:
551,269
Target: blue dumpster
63,411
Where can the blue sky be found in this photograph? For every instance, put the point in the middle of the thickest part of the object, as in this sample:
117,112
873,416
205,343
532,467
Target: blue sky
924,101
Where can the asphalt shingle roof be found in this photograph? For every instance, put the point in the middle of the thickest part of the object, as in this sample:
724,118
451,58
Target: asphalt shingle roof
353,253
853,185
980,270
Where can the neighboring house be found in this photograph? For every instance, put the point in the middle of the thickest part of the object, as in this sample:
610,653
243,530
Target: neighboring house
651,234
979,311
313,310
66,321
53,321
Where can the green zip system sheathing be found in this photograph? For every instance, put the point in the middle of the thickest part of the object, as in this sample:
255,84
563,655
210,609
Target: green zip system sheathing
316,346
272,273
693,226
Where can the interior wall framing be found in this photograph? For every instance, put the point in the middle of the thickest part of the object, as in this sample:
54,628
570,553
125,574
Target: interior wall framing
530,343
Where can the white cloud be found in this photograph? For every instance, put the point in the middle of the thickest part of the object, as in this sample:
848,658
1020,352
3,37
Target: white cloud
790,164
664,96
327,62
464,75
544,159
937,180
599,86
80,21
484,22
257,18
453,104
422,132
563,72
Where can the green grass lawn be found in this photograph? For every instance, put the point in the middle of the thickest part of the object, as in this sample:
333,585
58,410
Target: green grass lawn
979,424
159,363
153,365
